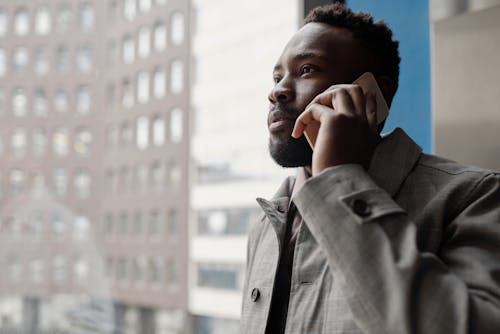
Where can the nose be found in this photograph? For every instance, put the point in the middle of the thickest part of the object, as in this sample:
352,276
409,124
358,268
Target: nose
282,92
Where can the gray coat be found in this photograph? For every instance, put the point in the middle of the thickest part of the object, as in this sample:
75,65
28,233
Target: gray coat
411,246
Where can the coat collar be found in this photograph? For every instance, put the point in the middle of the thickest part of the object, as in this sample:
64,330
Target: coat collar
393,159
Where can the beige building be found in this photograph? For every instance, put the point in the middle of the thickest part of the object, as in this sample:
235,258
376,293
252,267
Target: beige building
94,137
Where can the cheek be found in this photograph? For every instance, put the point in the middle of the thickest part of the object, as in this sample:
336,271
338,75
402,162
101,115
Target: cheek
308,91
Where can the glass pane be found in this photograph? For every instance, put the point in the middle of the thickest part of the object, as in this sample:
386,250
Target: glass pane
60,142
177,28
143,87
142,132
19,102
176,126
160,37
20,59
144,42
4,21
128,50
43,21
159,83
84,58
21,22
3,62
87,17
176,77
83,100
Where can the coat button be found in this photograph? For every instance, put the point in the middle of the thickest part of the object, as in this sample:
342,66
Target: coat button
361,208
255,294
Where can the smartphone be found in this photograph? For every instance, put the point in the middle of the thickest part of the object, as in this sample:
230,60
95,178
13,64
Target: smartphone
368,83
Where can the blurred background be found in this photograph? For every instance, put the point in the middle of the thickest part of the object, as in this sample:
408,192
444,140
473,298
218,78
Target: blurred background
133,143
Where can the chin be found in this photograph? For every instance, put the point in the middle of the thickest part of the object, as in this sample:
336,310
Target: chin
291,153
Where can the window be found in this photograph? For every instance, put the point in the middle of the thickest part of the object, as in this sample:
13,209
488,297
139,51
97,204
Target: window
176,125
40,105
173,223
112,136
122,269
13,268
144,5
124,180
61,102
87,17
83,100
60,142
155,270
128,50
154,223
81,271
41,62
39,138
111,96
19,102
175,175
3,62
156,177
161,2
60,182
144,42
158,131
139,268
123,224
172,272
21,22
2,102
177,28
142,133
20,59
84,58
16,180
62,58
81,228
176,77
82,184
36,270
129,9
3,23
160,37
219,276
126,135
64,19
83,139
143,87
127,94
159,83
138,223
59,268
18,143
42,21
108,225
58,226
39,186
141,177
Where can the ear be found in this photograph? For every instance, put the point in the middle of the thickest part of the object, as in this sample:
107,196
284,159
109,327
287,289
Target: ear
387,88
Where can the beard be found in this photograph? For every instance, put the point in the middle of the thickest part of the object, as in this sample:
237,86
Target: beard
294,152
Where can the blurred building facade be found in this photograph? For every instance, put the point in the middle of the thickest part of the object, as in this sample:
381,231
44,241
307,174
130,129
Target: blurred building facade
95,148
234,50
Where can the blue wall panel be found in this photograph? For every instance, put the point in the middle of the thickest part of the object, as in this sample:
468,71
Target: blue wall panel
411,107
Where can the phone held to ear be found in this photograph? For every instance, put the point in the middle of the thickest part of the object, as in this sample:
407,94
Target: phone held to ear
368,83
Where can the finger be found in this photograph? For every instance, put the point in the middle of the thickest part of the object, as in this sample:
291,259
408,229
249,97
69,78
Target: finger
314,113
359,100
371,111
325,98
342,102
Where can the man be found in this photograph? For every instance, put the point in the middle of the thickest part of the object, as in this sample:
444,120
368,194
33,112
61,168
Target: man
372,236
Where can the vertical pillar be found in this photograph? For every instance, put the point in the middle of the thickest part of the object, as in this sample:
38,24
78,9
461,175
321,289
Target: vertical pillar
30,317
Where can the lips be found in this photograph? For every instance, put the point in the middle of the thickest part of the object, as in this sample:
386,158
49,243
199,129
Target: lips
279,120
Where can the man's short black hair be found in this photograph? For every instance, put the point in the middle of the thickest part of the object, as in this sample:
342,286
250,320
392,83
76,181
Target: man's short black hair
375,36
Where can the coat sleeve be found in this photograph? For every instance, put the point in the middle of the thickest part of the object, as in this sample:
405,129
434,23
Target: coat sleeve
392,286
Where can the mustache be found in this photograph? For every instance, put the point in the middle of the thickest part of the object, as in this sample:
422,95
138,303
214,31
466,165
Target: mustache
283,111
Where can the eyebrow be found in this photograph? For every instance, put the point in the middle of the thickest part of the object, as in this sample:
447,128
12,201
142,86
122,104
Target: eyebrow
303,56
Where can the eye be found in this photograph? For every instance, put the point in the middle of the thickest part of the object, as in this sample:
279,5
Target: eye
307,69
276,79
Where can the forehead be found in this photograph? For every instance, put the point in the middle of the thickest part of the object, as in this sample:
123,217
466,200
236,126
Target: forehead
322,39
